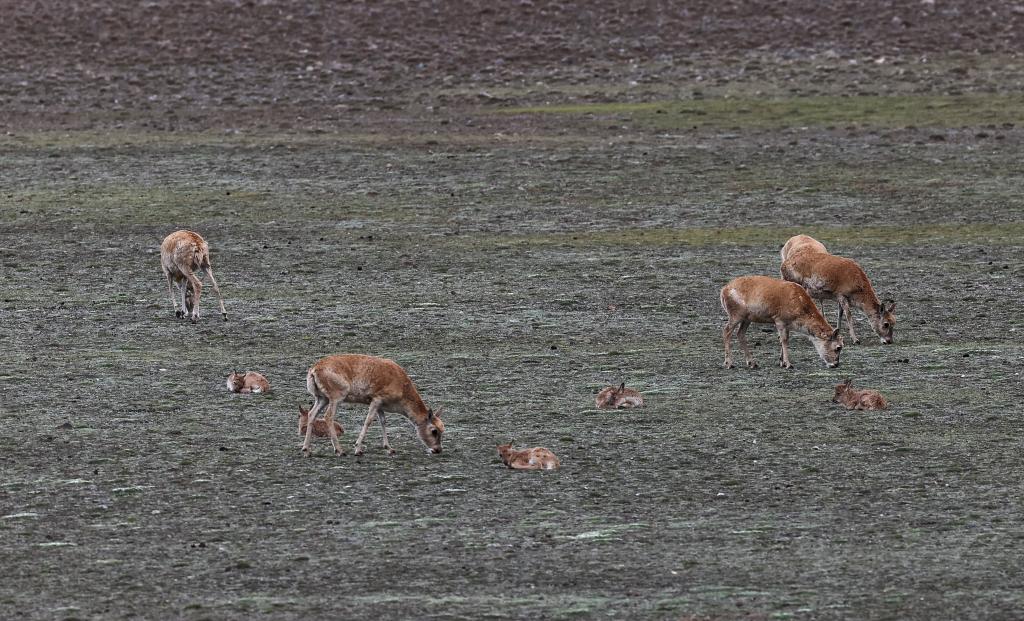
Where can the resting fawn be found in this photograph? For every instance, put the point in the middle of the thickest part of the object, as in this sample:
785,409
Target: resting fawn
536,458
859,399
621,397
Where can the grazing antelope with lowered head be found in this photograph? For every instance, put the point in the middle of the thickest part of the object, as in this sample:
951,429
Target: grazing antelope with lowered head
760,299
859,399
319,425
829,277
182,254
621,397
247,382
536,458
385,386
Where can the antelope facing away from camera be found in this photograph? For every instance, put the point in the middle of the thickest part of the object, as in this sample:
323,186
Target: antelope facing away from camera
760,299
247,382
826,276
621,397
182,254
379,382
536,458
859,399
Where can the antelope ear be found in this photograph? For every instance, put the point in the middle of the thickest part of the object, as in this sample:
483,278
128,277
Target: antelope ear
436,414
622,386
848,382
892,306
835,333
303,411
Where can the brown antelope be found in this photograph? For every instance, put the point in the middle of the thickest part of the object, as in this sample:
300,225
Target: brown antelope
859,399
536,458
829,277
319,425
760,299
621,397
247,382
385,386
182,254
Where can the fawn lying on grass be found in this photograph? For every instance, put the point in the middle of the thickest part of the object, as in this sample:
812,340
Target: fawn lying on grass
536,458
621,397
859,399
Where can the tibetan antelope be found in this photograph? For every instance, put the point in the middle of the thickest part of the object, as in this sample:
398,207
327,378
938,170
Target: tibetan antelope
182,254
247,382
859,399
319,425
760,299
826,276
536,458
379,382
621,397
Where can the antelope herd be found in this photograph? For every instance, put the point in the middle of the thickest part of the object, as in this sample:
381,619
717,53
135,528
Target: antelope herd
809,272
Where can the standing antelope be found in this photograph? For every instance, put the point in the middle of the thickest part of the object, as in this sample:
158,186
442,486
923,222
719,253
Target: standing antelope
621,397
806,262
385,386
182,254
760,299
858,399
536,458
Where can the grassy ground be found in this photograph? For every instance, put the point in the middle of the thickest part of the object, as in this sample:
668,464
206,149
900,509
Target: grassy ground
515,264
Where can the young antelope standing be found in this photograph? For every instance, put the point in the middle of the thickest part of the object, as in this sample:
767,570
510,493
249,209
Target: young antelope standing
760,299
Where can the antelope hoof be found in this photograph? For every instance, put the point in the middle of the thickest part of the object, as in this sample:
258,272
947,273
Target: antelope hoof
729,365
752,364
358,452
225,316
856,341
307,452
390,450
786,364
179,314
339,453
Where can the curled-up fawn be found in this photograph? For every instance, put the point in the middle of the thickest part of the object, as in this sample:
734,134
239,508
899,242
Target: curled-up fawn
536,458
614,398
319,425
247,382
859,399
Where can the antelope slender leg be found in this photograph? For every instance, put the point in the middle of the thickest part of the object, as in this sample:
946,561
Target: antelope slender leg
224,313
726,337
741,335
331,431
784,342
372,414
170,291
384,430
844,308
313,412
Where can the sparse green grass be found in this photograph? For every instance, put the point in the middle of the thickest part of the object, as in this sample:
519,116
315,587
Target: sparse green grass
774,113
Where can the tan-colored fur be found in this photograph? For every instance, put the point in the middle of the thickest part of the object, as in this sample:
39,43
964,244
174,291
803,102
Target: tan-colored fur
760,299
859,399
829,277
182,255
536,458
247,382
319,425
614,397
379,382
